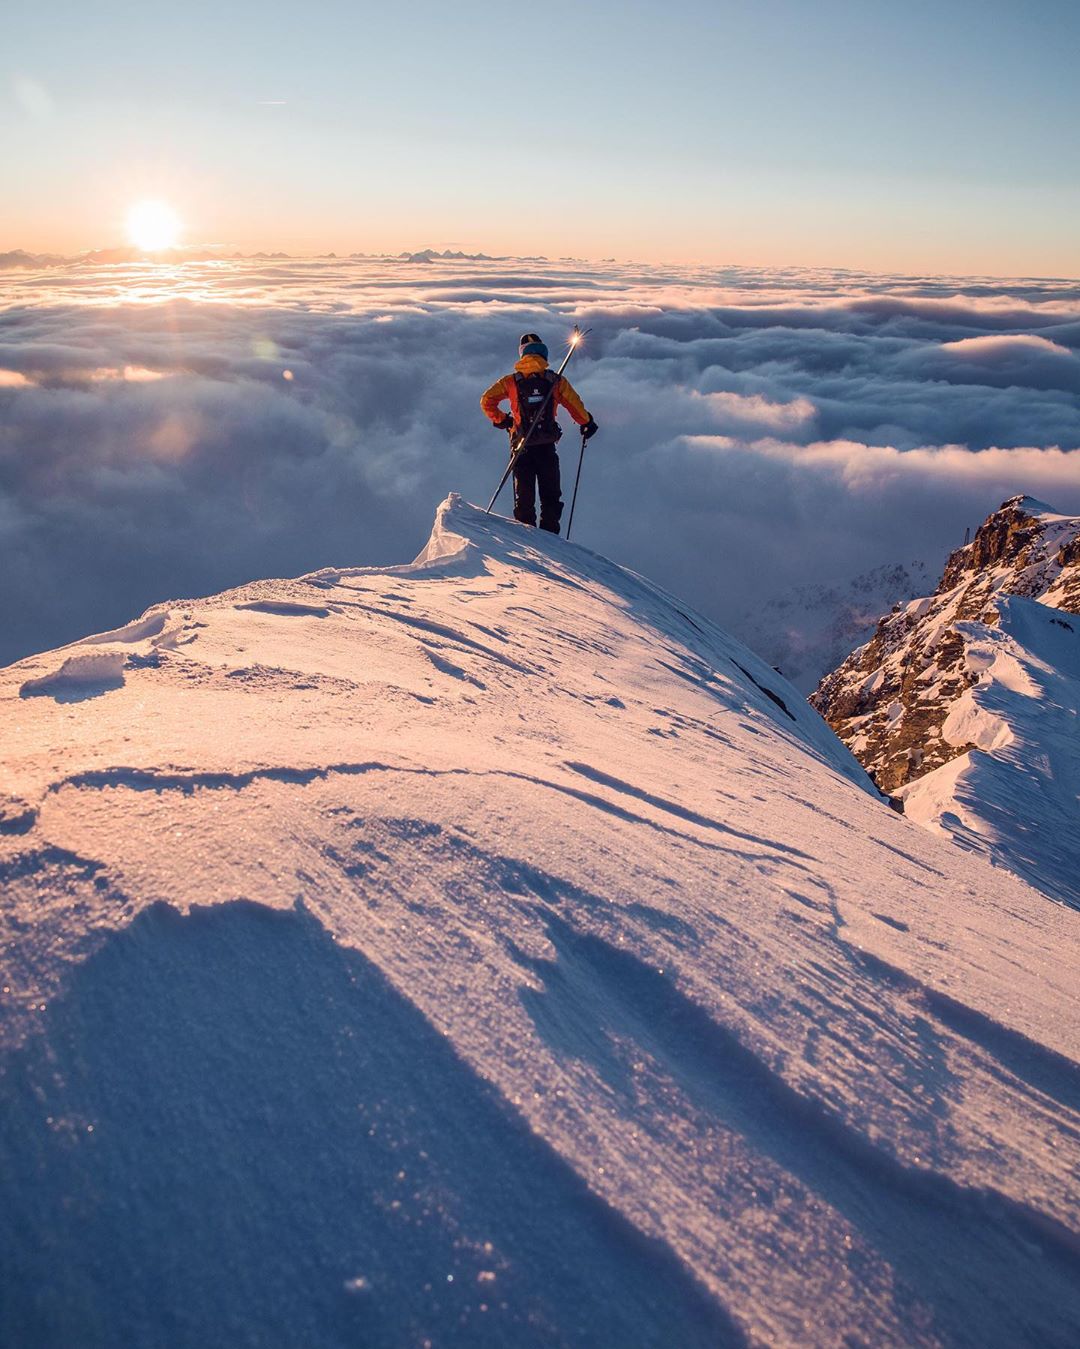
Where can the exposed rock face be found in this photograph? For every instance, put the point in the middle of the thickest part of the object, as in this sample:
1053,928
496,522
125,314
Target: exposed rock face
890,699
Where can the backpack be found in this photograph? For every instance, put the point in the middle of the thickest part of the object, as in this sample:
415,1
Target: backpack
536,392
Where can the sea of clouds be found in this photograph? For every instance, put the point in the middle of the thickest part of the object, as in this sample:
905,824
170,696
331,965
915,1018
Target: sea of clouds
171,431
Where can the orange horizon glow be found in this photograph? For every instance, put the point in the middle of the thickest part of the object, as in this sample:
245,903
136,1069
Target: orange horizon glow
769,245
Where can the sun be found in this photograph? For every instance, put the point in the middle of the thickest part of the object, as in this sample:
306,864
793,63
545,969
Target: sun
153,225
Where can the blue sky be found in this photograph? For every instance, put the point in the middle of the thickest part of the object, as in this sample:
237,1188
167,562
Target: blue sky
922,136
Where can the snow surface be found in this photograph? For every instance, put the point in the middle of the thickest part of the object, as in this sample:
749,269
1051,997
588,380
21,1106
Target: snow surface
490,951
1016,798
978,690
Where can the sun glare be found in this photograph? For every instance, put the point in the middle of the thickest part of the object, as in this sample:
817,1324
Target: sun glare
153,225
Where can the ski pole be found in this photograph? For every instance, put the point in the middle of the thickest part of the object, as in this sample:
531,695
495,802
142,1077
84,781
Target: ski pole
515,454
577,479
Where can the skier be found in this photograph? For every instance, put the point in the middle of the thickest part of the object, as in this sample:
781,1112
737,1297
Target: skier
532,419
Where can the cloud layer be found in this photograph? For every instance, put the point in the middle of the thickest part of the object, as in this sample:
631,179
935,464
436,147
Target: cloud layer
171,431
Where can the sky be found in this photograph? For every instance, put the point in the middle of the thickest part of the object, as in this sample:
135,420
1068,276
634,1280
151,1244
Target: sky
808,238
933,136
170,431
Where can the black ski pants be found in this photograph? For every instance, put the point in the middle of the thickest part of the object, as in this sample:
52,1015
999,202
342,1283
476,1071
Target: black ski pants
537,467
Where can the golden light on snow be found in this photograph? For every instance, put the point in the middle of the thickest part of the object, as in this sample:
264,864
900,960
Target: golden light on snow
153,225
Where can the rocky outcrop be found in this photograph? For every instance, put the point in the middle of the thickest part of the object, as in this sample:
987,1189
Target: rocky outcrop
890,699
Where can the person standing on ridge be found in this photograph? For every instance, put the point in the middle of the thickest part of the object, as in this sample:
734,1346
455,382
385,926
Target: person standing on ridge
533,414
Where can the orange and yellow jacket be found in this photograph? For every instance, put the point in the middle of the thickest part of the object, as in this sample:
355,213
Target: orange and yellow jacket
506,389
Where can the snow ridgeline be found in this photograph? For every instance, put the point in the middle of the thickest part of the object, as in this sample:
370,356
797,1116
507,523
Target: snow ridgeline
1014,796
966,702
490,951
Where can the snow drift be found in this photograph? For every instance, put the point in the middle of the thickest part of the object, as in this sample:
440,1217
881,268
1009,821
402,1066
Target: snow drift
492,951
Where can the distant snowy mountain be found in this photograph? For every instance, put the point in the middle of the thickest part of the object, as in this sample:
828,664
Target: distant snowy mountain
966,703
809,631
447,255
490,951
19,258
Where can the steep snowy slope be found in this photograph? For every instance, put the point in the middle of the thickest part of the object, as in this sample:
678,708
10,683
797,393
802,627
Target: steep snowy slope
1016,795
489,951
965,702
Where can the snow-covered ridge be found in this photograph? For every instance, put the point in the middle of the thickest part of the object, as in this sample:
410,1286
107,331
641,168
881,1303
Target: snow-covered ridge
1015,793
964,702
490,950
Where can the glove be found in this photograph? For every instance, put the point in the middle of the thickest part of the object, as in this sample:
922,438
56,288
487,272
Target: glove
505,423
589,429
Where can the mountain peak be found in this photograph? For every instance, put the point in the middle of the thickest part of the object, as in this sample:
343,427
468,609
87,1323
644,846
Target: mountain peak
1016,550
1028,505
914,704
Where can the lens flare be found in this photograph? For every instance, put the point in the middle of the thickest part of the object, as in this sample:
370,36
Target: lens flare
153,225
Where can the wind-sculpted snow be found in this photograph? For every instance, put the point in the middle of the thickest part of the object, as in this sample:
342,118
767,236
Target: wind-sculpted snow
491,951
1016,795
180,429
965,702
